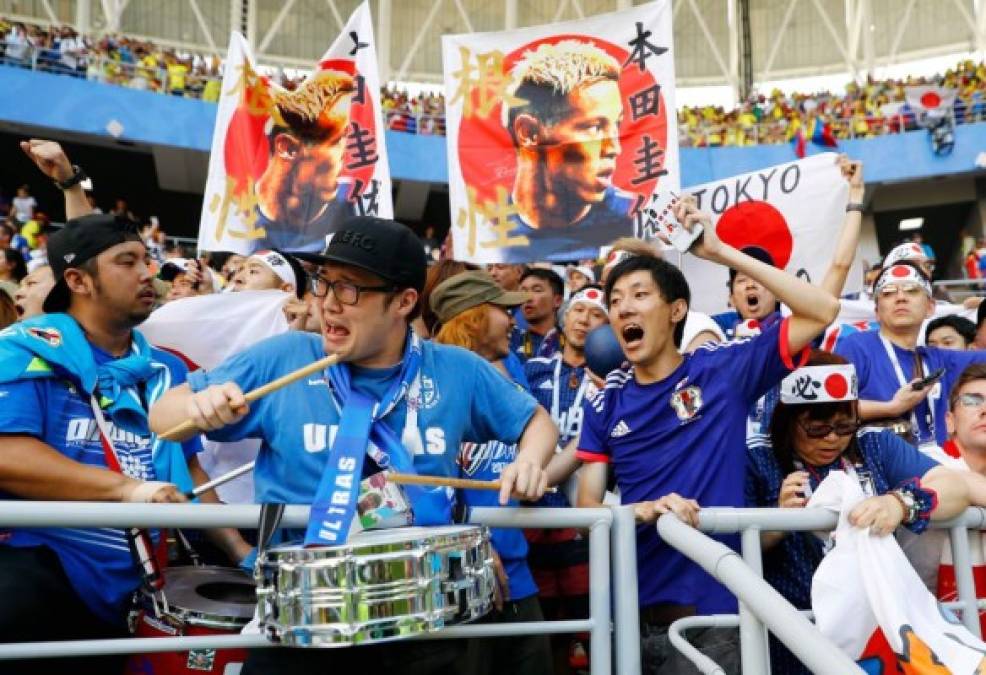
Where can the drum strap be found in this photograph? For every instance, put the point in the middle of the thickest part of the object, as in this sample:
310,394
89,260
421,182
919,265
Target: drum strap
138,540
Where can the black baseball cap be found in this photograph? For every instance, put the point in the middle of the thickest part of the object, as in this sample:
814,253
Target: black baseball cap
384,247
80,240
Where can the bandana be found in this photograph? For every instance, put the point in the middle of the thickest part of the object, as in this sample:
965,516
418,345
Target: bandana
590,296
615,258
898,274
908,251
820,384
277,264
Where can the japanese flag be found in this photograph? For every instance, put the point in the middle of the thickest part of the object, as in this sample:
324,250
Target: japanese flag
792,211
929,99
869,600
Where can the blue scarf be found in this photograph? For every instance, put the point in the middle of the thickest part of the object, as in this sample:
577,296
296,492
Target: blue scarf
53,345
361,432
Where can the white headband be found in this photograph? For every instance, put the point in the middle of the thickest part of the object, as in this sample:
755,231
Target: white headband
277,264
590,296
897,274
820,384
615,258
908,251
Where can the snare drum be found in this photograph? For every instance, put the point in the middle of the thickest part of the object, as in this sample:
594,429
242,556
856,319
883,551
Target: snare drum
381,585
201,601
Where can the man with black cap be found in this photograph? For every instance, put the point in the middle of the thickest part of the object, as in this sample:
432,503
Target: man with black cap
417,402
76,383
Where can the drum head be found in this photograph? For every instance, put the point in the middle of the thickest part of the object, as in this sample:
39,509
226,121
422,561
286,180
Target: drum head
210,596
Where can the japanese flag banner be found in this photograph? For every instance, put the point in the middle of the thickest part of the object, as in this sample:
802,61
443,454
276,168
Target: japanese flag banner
792,211
289,165
561,138
930,99
871,603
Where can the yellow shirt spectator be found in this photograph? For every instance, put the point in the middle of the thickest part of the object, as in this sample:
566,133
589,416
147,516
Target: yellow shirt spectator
176,76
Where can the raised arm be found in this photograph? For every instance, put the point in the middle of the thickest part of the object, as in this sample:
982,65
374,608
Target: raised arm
525,476
845,248
51,159
812,308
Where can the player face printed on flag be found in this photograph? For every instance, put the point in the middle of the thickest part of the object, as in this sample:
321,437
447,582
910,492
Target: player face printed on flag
793,211
558,136
288,166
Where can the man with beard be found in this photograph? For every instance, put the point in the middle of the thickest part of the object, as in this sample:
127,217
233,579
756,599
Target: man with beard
672,425
545,291
76,386
566,132
300,197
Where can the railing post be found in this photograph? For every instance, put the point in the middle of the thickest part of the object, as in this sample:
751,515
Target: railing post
753,634
626,610
599,609
964,583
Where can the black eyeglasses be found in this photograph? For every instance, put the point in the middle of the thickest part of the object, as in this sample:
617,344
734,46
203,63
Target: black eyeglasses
823,429
344,292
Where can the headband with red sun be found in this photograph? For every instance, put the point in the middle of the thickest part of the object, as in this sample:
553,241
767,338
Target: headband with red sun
820,384
901,274
590,296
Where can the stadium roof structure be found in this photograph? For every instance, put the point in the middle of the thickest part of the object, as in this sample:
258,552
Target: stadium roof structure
717,42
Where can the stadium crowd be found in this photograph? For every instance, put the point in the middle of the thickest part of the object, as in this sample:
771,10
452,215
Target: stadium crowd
573,356
862,110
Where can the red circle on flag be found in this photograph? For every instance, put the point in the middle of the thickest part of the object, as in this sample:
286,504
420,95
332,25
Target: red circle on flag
930,99
487,157
836,386
757,223
900,271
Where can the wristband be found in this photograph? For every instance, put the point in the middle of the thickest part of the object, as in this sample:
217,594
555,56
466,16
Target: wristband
78,175
854,206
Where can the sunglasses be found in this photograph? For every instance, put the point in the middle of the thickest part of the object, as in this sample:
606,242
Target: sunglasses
823,429
910,288
971,400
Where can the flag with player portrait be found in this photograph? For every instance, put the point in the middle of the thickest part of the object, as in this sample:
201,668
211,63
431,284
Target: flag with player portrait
792,211
561,138
289,164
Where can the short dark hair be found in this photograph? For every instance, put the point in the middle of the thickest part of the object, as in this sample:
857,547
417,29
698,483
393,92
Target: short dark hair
962,326
972,372
670,282
555,281
786,416
16,260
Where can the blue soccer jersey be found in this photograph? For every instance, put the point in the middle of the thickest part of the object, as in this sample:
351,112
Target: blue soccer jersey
462,399
96,561
684,434
560,389
879,380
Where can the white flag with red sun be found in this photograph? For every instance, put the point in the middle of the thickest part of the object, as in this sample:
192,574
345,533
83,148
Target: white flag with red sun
289,164
792,211
561,138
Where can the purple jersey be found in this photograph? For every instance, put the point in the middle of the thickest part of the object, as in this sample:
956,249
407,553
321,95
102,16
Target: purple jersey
684,434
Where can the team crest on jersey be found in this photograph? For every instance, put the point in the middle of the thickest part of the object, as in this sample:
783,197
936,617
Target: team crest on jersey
428,395
49,335
687,402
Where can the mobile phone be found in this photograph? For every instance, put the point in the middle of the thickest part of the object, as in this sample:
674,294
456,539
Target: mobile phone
928,381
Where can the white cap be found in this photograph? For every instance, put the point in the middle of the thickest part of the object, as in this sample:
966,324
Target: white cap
906,251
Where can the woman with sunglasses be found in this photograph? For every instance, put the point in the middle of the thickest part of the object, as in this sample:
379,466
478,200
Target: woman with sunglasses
816,430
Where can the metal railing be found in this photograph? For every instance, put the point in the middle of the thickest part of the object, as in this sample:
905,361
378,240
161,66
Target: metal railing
606,590
761,607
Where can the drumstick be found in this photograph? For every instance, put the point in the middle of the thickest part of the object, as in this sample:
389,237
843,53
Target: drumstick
216,482
251,396
442,481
